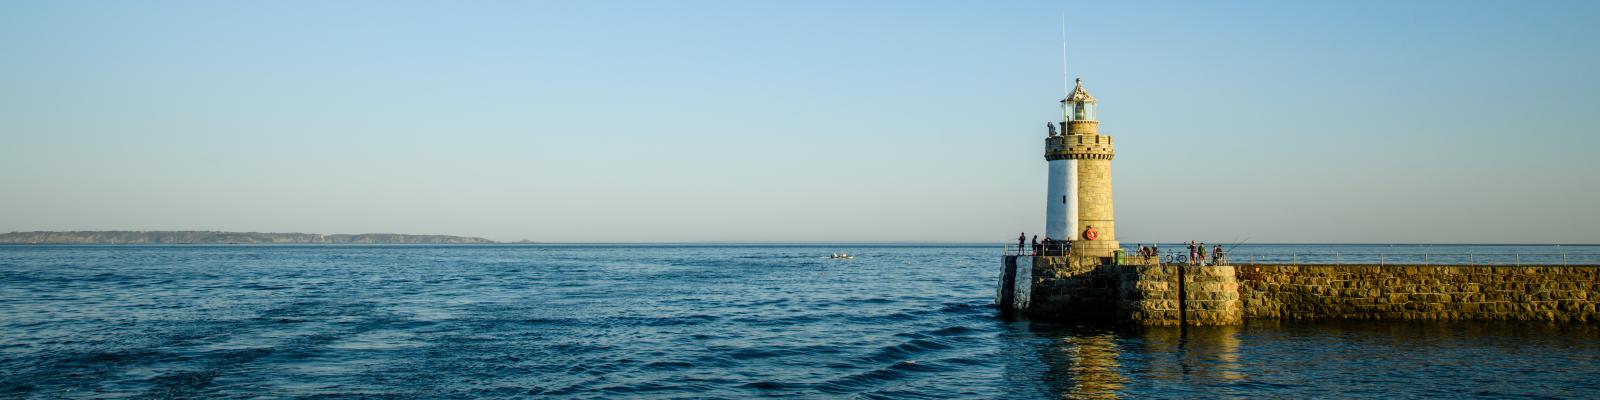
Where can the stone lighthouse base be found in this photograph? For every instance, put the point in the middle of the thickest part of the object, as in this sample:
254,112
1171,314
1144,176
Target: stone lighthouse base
1082,288
1095,248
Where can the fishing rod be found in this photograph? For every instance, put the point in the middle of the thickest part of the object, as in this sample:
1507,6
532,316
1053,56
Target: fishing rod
1234,245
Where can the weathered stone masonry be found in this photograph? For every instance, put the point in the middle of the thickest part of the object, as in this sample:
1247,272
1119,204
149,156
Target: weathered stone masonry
1064,289
1224,295
1170,295
1420,292
1146,294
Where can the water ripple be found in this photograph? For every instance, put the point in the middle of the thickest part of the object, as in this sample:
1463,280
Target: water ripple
676,321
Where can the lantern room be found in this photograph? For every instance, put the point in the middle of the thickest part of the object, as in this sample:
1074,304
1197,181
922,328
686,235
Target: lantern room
1079,105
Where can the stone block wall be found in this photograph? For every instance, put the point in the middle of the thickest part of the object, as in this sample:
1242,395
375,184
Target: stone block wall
1067,288
1420,292
1172,295
1083,127
1212,295
1149,295
1084,289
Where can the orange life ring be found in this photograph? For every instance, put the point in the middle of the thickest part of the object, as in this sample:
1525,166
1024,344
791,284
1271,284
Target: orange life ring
1090,234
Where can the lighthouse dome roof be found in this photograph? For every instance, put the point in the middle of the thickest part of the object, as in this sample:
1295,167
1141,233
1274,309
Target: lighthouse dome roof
1078,94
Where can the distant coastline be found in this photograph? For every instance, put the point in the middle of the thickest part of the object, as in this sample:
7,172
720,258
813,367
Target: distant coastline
217,237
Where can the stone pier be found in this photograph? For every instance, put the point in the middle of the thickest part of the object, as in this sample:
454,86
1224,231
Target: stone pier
1421,292
1174,295
1059,288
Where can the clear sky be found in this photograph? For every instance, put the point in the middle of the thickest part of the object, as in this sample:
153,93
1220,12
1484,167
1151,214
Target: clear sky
1369,121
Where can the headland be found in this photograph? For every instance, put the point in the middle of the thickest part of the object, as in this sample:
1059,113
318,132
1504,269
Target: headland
216,237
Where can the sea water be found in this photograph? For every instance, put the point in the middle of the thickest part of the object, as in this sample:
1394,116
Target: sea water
693,321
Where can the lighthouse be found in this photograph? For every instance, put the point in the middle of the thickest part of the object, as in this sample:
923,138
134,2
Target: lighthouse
1092,282
1078,208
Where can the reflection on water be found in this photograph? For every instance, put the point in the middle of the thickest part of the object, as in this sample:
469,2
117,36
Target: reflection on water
1337,358
1198,355
1084,361
1092,366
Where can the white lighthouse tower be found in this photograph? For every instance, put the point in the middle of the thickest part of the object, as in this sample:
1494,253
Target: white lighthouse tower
1061,204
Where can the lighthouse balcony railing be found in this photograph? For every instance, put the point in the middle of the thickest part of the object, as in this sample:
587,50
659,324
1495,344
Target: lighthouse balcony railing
1053,249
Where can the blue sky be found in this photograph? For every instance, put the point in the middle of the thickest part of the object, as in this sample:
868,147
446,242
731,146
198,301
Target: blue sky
805,121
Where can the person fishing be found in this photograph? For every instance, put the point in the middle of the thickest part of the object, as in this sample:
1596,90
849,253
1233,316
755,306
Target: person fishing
1022,239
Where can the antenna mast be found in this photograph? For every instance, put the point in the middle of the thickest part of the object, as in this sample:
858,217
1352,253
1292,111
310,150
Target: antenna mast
1066,84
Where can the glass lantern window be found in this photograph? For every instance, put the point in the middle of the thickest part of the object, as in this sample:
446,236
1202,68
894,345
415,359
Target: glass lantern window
1080,111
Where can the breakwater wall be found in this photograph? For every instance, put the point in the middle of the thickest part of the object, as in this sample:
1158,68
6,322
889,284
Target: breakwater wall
1420,292
1064,288
1059,288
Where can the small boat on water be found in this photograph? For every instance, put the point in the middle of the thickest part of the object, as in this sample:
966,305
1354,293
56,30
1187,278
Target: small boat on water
842,256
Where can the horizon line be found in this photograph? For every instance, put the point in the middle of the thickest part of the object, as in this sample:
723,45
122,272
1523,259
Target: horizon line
870,242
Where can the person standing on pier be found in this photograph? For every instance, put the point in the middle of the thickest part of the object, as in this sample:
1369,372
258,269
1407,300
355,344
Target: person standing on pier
1202,253
1192,254
1035,245
1022,239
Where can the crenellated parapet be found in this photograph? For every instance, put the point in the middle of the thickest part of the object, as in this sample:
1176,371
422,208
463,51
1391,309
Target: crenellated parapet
1079,147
